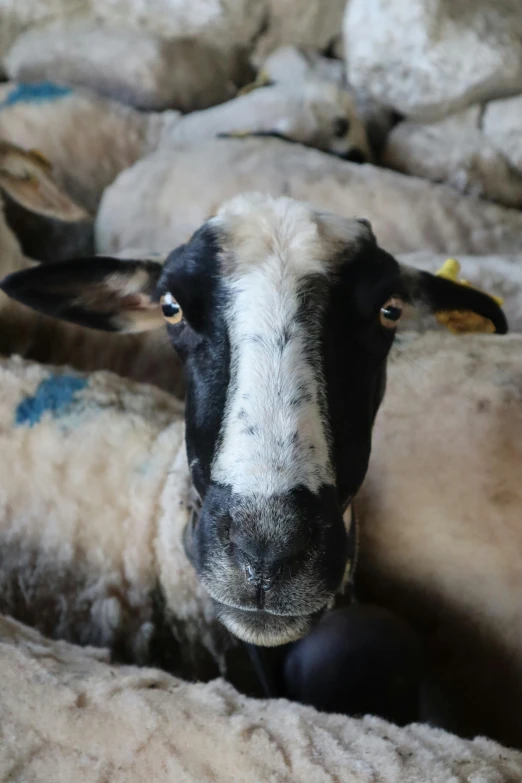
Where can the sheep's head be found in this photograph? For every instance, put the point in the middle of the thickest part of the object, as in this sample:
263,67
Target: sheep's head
284,317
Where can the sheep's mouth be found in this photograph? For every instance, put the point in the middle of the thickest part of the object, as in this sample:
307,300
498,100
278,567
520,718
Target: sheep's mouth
265,629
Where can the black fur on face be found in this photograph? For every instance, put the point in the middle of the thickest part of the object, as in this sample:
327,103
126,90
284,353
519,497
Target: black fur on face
273,562
288,320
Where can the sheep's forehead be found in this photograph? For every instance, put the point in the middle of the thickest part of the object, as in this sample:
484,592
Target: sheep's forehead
255,230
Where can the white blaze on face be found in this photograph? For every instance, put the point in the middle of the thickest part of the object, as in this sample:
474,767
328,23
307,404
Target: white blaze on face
274,435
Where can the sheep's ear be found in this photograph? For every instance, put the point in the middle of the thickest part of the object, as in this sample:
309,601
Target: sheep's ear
111,294
26,176
441,295
49,225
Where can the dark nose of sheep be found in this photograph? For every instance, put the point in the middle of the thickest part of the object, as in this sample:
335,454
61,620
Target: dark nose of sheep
265,563
261,577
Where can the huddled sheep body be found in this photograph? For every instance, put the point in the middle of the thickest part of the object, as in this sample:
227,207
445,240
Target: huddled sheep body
135,67
223,26
455,150
89,139
438,512
145,206
90,548
441,542
70,710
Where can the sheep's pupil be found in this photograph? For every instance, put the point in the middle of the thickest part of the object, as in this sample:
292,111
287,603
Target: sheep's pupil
170,309
392,313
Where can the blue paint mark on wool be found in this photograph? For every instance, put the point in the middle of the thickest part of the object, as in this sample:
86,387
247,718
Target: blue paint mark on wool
55,395
40,92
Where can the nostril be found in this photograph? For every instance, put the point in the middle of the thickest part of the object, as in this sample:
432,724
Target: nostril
263,562
251,575
263,577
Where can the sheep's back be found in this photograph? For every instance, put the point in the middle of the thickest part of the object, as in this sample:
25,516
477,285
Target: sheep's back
83,460
441,532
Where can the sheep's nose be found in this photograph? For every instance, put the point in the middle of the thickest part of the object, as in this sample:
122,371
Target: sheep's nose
262,577
262,564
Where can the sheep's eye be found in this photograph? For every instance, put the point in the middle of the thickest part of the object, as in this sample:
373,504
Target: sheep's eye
391,312
341,127
171,310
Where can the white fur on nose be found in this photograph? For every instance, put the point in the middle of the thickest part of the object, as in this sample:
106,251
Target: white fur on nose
274,435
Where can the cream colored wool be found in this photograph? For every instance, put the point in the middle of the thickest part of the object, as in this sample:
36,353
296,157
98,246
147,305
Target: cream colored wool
292,64
68,715
146,205
89,140
131,66
223,24
93,499
440,511
429,59
455,150
308,22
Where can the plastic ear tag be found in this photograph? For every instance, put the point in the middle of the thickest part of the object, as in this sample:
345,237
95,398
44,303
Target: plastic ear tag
236,134
462,321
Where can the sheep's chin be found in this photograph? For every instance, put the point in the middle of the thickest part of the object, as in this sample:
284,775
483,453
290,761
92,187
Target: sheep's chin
263,629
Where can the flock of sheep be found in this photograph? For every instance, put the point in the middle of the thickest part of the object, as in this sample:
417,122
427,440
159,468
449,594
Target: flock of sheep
95,490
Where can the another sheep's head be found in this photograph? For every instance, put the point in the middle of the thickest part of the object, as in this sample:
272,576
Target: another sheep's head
284,317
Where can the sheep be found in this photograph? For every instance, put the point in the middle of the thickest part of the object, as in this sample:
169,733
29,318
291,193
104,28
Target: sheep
439,515
224,26
72,716
276,438
72,128
133,66
39,215
88,140
146,207
456,150
115,545
33,199
96,567
313,111
292,64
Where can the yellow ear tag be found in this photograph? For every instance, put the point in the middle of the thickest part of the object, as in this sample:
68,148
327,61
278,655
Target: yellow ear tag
462,321
237,134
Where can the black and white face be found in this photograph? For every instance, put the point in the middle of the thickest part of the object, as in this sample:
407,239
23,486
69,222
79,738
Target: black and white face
283,317
284,372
